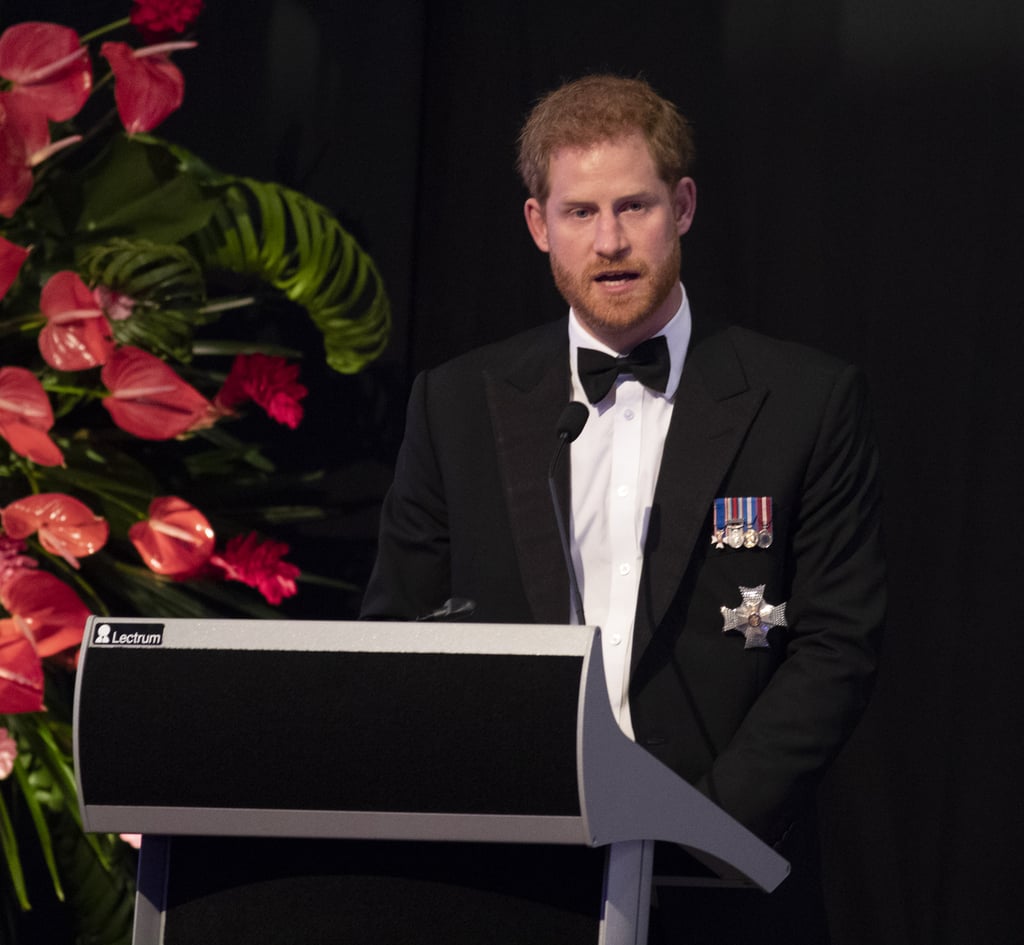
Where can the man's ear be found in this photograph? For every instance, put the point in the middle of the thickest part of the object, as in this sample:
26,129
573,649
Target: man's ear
536,223
685,204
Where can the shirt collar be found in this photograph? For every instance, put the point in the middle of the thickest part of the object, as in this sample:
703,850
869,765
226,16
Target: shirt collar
676,332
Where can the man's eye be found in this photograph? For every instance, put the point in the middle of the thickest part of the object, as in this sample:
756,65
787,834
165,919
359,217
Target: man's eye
579,213
636,205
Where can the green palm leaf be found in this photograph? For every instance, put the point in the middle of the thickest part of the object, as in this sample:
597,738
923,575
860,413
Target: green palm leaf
292,243
149,189
165,284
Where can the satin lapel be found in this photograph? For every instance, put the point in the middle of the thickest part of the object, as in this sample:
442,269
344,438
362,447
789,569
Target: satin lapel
525,402
713,411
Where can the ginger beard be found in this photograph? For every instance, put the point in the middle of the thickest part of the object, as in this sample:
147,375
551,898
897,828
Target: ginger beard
607,314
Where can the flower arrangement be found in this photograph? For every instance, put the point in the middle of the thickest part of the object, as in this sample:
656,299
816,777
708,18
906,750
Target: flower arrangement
121,255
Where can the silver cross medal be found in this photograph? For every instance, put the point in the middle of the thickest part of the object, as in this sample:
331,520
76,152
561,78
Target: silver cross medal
755,617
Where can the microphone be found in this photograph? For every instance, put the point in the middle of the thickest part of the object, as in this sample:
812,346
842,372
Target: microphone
570,425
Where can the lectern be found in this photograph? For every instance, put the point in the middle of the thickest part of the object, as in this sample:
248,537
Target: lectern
349,782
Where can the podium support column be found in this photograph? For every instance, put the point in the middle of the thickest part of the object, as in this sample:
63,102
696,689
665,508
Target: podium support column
627,893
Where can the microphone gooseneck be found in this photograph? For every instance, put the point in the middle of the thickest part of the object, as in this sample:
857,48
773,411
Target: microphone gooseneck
570,426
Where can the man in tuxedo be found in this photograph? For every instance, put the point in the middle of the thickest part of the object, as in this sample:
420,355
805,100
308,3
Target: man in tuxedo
722,497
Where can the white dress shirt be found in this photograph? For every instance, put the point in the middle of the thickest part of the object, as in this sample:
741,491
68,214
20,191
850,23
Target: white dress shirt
615,463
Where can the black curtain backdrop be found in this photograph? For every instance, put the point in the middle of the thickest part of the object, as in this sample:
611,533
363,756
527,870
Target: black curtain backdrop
859,185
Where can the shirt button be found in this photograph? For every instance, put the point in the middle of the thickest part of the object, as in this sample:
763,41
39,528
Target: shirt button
624,569
615,639
628,413
622,491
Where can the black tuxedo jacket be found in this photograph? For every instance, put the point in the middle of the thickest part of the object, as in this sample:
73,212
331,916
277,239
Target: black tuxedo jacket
469,515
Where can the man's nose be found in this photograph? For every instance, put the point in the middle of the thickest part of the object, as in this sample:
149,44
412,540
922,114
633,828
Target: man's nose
610,239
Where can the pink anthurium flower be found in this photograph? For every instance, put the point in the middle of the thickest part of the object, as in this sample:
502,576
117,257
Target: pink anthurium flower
66,526
148,399
117,305
48,67
13,559
175,540
15,170
26,417
11,258
21,683
76,335
46,608
147,85
24,143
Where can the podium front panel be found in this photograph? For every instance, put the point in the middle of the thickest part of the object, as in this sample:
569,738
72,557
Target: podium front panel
292,720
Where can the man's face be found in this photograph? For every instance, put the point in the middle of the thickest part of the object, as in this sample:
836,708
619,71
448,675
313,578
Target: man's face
611,226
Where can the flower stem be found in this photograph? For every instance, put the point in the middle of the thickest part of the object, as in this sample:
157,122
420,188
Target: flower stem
54,388
109,28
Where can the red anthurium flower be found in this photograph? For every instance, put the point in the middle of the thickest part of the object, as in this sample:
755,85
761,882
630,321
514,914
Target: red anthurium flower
66,526
147,85
175,540
11,258
46,608
13,559
48,67
148,399
24,143
270,381
26,417
259,566
15,170
21,683
76,335
157,18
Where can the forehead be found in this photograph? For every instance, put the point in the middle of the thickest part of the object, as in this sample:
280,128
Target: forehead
613,167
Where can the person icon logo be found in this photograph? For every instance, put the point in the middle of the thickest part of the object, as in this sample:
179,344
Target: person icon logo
102,633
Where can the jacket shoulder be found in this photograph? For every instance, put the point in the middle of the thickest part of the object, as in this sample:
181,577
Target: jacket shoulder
522,358
765,355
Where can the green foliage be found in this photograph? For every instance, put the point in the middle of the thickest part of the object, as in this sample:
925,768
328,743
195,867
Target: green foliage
157,236
295,245
145,195
91,874
166,286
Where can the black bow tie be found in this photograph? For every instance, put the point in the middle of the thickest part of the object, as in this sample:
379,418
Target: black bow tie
648,362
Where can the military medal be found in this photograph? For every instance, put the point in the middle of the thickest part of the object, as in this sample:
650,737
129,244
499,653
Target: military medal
729,525
755,617
749,522
764,518
734,523
718,532
742,522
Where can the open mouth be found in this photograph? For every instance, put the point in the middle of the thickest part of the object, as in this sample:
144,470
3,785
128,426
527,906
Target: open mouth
617,278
